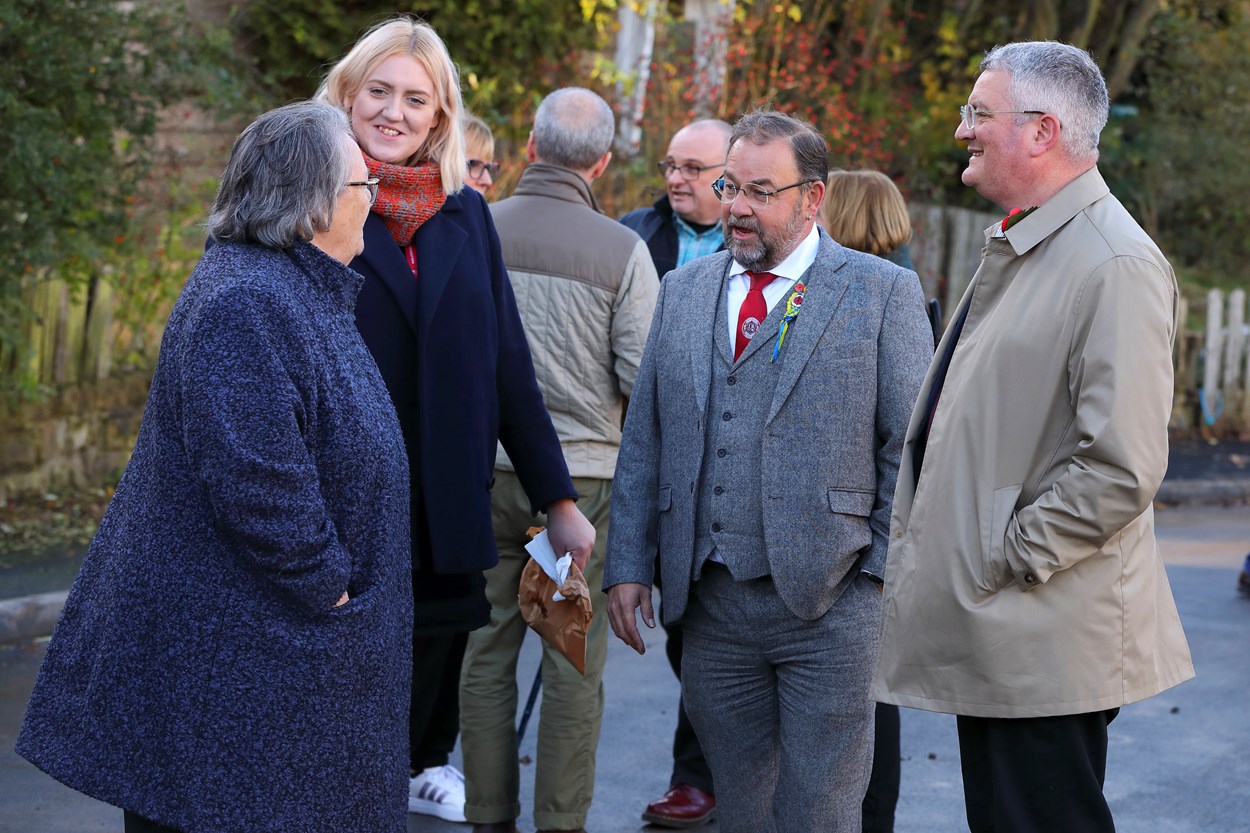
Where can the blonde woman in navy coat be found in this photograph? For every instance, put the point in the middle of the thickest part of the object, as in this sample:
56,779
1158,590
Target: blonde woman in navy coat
438,314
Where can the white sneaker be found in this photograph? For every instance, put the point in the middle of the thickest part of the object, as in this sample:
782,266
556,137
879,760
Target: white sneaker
438,791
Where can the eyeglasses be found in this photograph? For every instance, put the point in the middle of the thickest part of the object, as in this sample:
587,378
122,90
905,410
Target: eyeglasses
477,167
969,115
689,172
727,192
371,183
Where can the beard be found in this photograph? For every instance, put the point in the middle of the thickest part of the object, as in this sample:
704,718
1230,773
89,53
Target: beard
769,247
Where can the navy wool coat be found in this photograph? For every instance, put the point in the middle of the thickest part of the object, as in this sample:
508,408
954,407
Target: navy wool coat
452,350
200,674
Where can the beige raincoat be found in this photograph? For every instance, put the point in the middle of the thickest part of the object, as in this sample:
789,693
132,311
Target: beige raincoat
1023,577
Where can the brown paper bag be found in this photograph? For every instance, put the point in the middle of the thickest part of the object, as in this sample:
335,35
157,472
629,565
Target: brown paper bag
563,624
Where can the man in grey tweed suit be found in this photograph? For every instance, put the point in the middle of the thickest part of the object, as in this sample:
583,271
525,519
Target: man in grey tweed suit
765,483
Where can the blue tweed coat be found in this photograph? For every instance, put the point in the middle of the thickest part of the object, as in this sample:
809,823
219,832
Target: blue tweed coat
200,674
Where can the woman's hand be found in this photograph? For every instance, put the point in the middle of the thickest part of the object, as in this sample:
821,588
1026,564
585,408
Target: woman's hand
569,531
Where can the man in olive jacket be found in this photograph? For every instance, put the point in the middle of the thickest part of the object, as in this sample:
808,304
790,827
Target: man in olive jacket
586,290
1024,588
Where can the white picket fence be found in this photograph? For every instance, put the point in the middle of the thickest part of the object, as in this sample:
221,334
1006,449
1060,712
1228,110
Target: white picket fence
1213,367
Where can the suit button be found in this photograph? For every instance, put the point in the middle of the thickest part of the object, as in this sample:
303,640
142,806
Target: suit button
732,380
1029,578
716,527
726,416
898,533
720,452
719,490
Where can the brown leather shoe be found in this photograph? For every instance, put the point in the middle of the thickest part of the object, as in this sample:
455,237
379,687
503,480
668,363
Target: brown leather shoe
682,807
496,827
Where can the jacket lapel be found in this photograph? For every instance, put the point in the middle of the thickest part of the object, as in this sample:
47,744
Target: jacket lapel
826,282
710,286
439,241
388,263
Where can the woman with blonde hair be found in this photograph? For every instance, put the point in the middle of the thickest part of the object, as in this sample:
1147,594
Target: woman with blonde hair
479,146
865,211
438,314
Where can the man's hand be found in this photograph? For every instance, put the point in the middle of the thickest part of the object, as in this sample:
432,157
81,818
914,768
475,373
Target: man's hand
569,531
623,600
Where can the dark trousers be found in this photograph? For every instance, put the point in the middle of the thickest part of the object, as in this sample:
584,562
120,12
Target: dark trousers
882,796
1037,774
434,711
689,765
136,823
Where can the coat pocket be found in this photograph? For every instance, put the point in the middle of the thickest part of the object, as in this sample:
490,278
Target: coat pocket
664,499
850,502
846,530
995,571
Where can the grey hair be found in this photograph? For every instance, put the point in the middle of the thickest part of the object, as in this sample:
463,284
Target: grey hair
573,128
1060,79
284,176
811,153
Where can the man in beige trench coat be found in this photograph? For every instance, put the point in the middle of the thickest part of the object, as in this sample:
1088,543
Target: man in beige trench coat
1024,589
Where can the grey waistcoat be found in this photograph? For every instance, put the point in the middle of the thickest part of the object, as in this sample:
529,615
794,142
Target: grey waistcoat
729,506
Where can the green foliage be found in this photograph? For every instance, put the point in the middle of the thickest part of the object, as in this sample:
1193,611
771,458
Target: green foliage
82,88
291,42
147,272
1177,156
947,41
510,52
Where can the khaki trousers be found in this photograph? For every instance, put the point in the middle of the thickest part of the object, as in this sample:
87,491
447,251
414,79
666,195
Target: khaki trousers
572,705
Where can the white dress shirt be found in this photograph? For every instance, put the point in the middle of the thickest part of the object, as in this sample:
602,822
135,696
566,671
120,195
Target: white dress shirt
788,273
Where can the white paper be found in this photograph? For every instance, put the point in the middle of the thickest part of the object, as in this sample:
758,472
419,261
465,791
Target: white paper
556,568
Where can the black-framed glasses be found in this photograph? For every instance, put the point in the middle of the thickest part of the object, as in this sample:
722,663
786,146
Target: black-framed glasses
477,167
689,172
969,115
727,192
371,183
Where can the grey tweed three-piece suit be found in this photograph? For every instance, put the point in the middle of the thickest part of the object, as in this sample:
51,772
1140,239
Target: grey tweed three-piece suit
786,470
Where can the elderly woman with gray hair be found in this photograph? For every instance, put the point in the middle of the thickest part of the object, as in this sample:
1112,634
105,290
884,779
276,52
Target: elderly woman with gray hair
233,653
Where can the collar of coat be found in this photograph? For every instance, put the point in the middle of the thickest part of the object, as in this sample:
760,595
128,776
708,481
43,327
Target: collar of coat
554,182
1071,200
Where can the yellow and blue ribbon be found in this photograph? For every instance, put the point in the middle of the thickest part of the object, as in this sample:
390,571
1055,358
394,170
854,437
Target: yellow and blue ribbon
793,304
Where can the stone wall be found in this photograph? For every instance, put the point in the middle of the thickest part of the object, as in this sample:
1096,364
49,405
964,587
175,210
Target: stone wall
81,436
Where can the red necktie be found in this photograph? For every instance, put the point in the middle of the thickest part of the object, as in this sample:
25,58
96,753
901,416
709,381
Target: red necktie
753,312
410,253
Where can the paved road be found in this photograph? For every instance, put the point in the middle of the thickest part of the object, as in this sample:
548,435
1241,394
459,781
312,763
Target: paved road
1179,763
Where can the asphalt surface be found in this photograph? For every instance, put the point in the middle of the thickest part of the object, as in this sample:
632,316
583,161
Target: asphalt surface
1202,473
1177,763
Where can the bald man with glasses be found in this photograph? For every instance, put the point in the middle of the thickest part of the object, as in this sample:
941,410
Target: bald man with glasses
685,223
